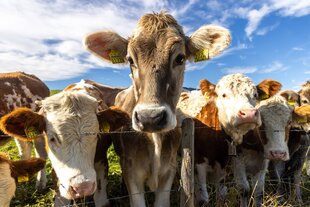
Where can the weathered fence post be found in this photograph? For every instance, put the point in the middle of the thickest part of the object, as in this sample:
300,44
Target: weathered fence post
187,168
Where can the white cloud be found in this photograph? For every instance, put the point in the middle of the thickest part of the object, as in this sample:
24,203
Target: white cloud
307,72
276,66
254,17
265,30
244,70
297,48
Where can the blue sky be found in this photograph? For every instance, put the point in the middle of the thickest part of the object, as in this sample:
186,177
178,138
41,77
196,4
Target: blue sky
270,38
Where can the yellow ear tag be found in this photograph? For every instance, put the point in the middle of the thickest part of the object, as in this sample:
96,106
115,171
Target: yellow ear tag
202,55
115,57
291,102
105,127
22,179
302,120
31,132
206,96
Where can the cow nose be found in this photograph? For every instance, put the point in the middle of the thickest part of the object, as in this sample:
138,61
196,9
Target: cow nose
248,114
278,155
82,189
150,120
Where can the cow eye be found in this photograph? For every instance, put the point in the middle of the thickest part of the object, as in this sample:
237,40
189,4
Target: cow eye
255,95
130,60
179,60
304,101
224,95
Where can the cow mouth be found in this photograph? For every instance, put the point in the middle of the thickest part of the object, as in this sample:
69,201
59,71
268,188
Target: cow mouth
244,125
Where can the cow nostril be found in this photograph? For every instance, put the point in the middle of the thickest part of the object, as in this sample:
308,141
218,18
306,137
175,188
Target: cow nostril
136,117
241,113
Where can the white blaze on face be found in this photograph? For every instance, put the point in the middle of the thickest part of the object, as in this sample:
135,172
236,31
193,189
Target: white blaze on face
69,116
276,116
236,105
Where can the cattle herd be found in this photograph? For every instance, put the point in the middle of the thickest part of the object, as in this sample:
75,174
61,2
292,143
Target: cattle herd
241,129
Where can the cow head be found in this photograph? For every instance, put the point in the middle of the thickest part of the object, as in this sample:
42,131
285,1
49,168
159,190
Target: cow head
236,99
304,94
279,113
71,124
157,52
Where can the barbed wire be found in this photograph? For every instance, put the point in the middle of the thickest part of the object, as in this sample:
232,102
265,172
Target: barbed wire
133,131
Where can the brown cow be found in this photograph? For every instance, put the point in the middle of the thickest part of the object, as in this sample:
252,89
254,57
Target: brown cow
71,122
15,171
19,89
156,53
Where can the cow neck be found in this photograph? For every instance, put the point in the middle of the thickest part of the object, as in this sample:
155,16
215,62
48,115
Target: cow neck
157,140
254,140
209,116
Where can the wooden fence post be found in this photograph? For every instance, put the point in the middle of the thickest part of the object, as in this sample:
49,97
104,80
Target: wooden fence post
187,168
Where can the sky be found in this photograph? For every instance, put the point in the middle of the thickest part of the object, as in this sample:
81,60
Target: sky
270,38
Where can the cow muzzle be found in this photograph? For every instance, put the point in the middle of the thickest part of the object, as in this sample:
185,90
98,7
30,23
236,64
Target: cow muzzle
248,116
153,118
278,155
82,189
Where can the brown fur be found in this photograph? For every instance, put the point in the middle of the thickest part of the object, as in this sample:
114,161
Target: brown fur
268,88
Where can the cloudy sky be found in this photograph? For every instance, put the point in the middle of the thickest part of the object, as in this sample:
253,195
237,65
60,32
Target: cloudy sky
271,38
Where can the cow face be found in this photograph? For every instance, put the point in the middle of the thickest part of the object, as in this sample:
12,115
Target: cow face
71,124
304,94
279,113
236,99
157,53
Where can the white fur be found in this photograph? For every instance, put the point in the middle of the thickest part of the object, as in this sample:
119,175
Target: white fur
68,116
7,185
193,104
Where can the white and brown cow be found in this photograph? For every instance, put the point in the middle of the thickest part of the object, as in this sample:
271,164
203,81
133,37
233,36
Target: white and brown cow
156,52
224,113
287,175
15,171
18,89
259,145
71,123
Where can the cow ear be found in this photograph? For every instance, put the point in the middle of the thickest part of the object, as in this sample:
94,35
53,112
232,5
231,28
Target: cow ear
268,88
207,42
303,110
207,88
291,97
108,46
22,170
112,119
23,124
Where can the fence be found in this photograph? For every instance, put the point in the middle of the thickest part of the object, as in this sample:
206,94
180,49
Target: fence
185,189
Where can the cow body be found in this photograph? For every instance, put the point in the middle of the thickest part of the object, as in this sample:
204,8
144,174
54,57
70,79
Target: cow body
156,52
11,172
22,90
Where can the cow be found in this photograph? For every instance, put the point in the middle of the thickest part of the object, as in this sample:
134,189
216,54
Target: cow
304,94
212,138
156,52
18,89
15,171
287,175
71,121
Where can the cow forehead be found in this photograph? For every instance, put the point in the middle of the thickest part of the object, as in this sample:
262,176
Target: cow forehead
275,108
236,84
74,102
